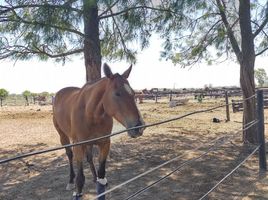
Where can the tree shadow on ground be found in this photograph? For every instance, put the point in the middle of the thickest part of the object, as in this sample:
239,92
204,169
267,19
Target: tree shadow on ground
45,176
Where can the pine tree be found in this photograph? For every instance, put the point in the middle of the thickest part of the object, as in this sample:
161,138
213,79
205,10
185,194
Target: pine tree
113,29
216,31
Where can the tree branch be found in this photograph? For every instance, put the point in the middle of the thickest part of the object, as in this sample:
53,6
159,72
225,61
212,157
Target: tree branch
11,51
109,8
261,52
264,23
20,20
230,33
68,53
119,32
12,8
136,7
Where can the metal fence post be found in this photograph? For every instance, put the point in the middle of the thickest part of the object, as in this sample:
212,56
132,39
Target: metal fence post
261,137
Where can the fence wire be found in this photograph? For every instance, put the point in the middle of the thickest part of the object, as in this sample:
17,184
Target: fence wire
217,142
230,173
109,135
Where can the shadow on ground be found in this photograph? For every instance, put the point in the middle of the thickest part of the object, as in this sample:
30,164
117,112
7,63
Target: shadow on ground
45,176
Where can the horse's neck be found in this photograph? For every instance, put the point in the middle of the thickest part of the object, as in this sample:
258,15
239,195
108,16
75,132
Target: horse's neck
93,95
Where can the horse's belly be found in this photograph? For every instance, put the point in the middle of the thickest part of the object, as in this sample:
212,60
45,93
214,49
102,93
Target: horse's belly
88,132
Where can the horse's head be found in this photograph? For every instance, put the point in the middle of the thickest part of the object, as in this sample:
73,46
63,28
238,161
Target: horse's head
119,101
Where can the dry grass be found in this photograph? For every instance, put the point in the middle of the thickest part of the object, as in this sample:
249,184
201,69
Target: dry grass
25,129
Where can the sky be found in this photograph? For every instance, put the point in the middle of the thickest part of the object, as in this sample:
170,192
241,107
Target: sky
149,72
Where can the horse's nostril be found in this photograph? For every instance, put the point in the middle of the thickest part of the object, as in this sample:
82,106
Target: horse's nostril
138,124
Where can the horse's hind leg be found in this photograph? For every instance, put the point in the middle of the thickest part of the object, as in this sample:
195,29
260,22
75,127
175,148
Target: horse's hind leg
69,154
91,163
65,140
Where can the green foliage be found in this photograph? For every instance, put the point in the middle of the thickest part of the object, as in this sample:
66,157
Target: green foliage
192,30
54,29
196,31
123,35
200,98
41,28
26,94
260,76
3,93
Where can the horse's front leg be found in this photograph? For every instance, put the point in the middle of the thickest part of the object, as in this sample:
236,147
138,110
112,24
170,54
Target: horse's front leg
101,180
80,177
90,161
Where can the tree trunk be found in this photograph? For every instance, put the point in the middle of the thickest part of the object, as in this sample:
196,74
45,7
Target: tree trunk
247,62
248,89
27,101
92,51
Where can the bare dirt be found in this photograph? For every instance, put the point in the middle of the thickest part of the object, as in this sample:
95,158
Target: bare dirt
26,129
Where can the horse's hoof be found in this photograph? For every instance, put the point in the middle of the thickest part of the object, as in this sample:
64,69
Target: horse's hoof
77,196
70,186
100,189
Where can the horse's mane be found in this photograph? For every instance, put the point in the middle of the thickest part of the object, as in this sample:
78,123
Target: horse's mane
89,83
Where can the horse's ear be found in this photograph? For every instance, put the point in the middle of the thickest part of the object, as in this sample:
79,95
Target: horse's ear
127,72
107,71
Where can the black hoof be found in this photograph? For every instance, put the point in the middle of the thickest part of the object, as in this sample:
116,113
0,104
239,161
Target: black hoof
77,196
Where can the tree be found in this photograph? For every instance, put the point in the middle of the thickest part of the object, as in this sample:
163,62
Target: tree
214,31
261,76
26,94
3,95
34,95
59,29
44,94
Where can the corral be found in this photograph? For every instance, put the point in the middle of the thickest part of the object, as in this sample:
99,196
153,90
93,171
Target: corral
25,129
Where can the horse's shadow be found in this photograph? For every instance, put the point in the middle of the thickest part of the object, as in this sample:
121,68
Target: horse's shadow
45,176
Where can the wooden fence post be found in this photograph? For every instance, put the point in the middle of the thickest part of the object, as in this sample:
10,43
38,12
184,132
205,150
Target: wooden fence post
156,94
261,137
227,106
170,96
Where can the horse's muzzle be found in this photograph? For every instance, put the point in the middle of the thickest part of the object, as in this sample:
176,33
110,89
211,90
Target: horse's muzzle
136,132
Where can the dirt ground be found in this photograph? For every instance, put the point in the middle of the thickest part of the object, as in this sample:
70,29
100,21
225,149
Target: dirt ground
25,129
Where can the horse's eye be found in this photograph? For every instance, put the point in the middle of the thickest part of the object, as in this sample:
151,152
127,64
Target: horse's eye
118,94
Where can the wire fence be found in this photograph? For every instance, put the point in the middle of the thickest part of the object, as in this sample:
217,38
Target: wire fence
230,173
216,143
106,136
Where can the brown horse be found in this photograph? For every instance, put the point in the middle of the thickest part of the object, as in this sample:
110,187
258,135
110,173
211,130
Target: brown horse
85,113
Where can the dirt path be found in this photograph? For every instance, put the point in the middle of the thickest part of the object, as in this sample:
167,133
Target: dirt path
24,129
